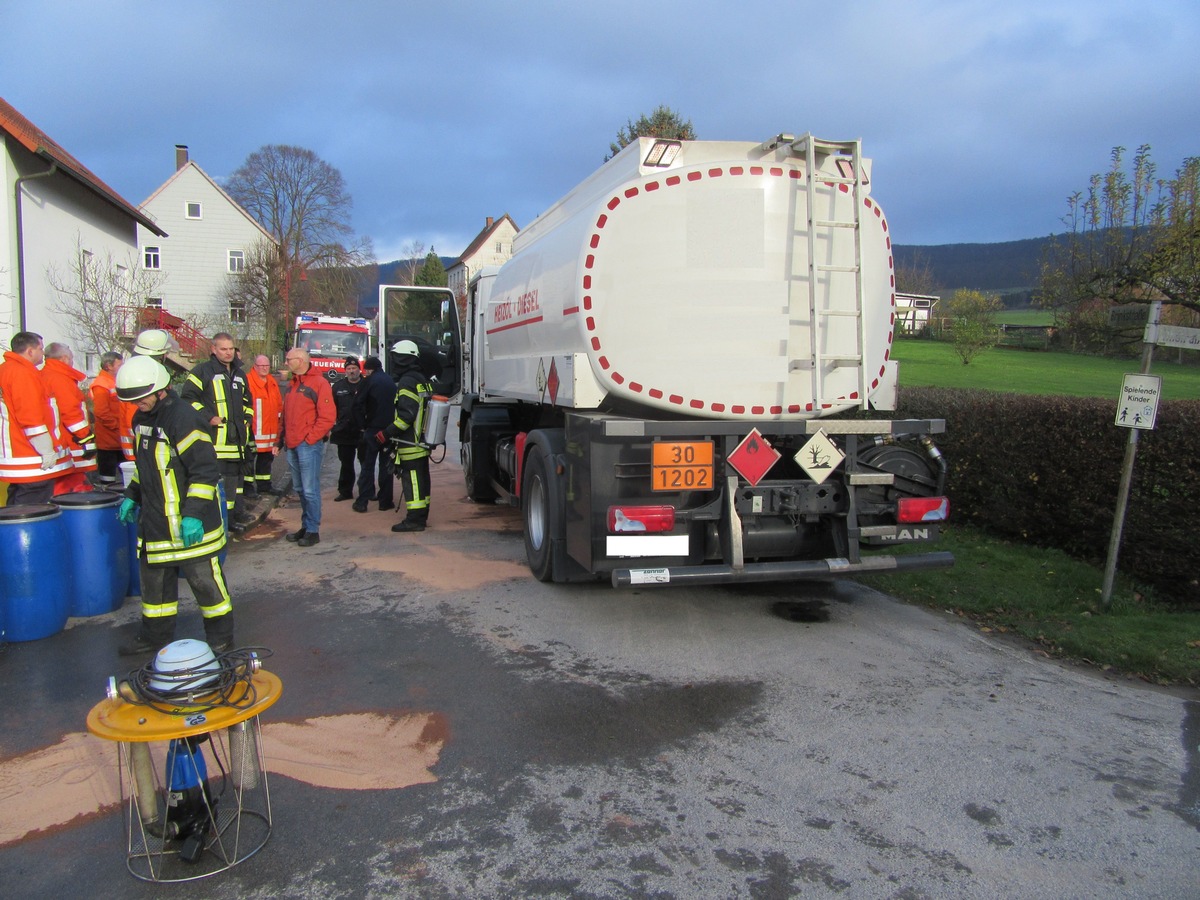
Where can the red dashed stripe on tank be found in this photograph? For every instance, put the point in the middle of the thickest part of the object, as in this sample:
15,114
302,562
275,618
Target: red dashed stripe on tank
699,404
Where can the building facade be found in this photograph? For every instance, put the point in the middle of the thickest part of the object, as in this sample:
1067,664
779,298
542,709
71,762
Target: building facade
491,247
210,238
59,220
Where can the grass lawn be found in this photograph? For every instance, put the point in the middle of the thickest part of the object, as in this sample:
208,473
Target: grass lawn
935,364
1053,600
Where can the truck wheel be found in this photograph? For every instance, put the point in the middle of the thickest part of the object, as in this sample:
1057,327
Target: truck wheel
540,510
473,452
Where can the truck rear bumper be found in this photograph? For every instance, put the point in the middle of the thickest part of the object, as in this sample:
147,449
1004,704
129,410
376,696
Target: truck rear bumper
779,571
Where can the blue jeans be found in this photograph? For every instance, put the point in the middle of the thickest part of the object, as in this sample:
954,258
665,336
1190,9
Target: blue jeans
305,463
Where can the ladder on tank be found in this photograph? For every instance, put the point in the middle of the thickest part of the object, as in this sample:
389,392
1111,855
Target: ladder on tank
815,152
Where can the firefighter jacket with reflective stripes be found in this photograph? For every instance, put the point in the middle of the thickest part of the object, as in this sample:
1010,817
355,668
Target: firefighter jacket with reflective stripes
106,410
214,389
176,476
412,397
70,410
25,413
127,411
308,410
267,404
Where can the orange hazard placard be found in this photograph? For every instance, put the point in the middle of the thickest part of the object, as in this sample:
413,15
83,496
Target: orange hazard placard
682,466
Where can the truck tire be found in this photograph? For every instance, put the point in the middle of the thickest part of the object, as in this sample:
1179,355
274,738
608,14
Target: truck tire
541,510
473,452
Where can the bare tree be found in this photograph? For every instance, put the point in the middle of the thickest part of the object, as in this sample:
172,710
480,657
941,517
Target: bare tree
303,202
414,255
916,276
99,297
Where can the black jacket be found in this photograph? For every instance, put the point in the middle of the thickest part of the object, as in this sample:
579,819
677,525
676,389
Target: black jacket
176,476
348,428
214,390
376,402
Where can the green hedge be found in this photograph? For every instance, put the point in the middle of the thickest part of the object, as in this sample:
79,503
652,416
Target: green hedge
1046,470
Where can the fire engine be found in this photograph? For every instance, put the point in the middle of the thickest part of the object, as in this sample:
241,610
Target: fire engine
331,340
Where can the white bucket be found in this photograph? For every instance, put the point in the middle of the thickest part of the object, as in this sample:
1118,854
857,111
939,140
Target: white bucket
127,470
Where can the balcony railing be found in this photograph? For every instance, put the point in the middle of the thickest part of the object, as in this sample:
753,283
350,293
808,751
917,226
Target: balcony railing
191,342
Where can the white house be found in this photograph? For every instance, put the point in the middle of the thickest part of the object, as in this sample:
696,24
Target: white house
491,247
57,214
210,237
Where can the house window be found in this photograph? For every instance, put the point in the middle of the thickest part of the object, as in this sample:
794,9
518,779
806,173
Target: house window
154,302
151,259
499,246
237,311
237,261
193,210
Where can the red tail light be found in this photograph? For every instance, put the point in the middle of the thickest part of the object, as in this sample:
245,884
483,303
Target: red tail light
626,519
923,509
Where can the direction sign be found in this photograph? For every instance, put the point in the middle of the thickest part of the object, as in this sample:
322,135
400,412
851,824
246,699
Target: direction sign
1137,407
1175,336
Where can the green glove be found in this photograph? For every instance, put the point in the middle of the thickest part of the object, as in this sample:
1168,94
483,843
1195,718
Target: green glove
128,513
192,531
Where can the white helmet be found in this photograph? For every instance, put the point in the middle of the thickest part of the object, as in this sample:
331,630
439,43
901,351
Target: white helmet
406,348
140,377
152,342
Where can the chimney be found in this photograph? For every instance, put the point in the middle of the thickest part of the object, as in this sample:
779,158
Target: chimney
181,156
489,222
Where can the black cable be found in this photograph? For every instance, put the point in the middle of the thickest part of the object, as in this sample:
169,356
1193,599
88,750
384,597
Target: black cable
185,692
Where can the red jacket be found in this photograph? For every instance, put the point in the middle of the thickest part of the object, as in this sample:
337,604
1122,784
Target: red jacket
268,410
308,409
25,413
106,409
70,410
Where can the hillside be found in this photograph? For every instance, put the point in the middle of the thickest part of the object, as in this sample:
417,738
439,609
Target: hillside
1005,266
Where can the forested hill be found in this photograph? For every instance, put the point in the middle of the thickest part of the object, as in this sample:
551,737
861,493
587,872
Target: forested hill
1006,266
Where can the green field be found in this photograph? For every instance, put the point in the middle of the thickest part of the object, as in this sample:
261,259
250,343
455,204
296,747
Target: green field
935,364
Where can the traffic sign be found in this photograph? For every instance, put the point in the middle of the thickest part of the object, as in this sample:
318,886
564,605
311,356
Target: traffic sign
1175,336
1137,407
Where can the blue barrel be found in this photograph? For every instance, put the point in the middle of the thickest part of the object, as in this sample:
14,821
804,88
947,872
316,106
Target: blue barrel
135,569
35,578
98,545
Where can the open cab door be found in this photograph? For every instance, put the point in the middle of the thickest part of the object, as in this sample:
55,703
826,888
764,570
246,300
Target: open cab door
427,316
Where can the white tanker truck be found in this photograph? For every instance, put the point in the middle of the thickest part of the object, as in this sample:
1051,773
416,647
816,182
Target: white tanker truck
669,373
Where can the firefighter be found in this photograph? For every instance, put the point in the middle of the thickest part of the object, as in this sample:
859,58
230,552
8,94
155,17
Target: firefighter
267,404
32,455
413,391
106,412
217,390
175,501
151,342
70,410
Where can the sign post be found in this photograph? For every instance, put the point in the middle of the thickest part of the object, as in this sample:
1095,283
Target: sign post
1137,408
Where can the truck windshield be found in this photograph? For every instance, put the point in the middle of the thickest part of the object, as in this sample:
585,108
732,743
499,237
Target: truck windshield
320,342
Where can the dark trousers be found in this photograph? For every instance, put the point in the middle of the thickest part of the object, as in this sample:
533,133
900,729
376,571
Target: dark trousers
347,454
160,598
258,476
231,471
31,493
373,454
107,463
414,479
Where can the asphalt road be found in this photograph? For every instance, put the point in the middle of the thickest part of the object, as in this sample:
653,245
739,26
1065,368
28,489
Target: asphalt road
450,727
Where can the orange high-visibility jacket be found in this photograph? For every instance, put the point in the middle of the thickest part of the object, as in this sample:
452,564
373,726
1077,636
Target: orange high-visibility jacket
25,412
107,411
70,411
127,409
268,410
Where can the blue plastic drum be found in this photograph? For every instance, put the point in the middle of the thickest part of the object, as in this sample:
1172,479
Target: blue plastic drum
135,570
35,579
98,545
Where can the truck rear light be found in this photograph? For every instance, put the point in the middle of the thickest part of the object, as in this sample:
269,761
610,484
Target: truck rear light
923,509
640,518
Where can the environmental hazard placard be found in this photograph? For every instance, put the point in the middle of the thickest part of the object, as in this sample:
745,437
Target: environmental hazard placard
1137,406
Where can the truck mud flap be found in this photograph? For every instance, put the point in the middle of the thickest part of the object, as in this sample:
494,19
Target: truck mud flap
778,571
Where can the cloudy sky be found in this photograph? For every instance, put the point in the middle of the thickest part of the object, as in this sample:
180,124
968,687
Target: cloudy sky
982,117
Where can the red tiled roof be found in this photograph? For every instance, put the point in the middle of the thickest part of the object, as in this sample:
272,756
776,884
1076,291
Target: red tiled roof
41,144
